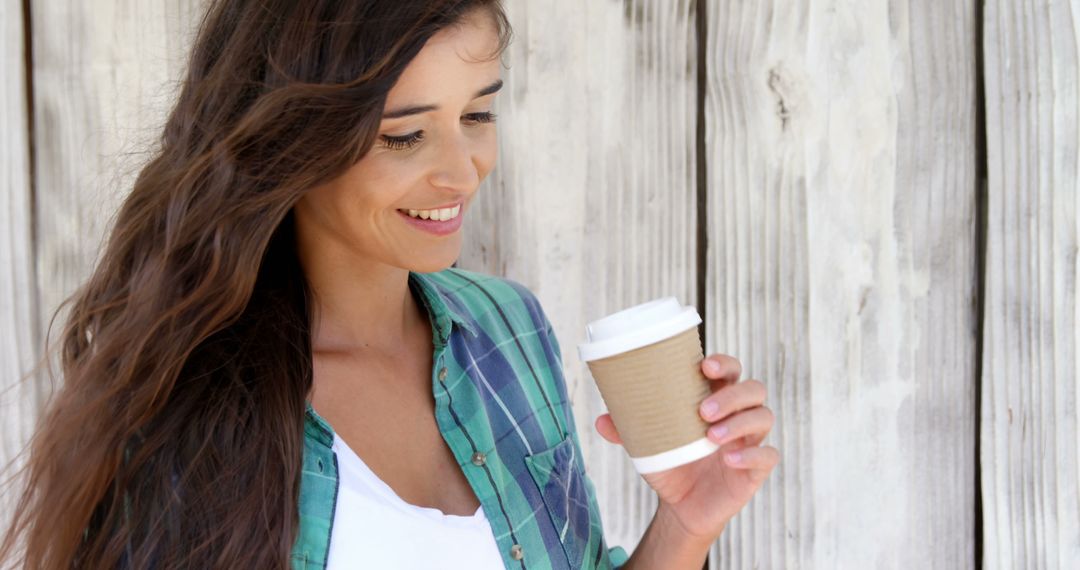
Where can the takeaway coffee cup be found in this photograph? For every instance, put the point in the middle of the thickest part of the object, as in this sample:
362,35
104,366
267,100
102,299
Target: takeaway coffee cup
646,361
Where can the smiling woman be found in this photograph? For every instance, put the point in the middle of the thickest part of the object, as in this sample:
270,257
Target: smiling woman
401,205
274,363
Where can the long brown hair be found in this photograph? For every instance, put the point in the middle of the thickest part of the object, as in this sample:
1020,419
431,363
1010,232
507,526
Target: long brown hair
176,438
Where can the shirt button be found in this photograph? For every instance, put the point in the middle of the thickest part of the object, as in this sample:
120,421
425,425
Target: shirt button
478,458
442,374
516,552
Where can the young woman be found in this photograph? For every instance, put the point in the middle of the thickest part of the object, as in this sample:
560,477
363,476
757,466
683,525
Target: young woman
274,363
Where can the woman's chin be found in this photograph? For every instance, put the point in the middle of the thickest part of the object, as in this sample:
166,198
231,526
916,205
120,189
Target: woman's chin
434,263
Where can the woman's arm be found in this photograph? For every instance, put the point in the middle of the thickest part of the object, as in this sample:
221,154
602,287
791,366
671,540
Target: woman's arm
666,545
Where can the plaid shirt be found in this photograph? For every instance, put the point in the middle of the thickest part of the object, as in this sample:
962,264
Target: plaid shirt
501,405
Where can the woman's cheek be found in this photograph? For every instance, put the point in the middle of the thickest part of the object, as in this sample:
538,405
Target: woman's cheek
392,169
489,153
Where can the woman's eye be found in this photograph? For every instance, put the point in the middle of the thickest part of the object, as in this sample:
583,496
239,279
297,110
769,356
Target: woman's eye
406,142
403,142
486,117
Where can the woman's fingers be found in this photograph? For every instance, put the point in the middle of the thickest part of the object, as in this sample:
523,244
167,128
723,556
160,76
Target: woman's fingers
721,369
760,459
751,424
607,430
730,399
754,439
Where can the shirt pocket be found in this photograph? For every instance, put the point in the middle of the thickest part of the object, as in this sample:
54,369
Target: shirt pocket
558,474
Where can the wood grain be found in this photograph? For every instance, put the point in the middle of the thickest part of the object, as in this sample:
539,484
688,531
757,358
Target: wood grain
18,320
105,74
841,178
1030,434
592,204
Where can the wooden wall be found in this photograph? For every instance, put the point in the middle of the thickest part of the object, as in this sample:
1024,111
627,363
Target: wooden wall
1030,432
841,158
874,203
18,318
102,78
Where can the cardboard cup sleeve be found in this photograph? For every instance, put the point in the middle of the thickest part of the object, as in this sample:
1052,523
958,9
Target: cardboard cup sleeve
653,394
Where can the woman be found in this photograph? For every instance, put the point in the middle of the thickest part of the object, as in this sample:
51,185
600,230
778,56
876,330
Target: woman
274,363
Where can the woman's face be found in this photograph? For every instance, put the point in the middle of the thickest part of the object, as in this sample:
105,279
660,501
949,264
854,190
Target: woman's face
436,143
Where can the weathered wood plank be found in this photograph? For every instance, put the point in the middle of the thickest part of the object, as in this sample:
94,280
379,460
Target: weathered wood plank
105,73
18,320
593,202
841,184
1030,432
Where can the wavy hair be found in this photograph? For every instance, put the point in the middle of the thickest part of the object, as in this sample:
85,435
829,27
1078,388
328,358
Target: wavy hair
176,437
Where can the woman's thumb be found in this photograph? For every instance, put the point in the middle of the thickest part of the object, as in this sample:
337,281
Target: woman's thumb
607,430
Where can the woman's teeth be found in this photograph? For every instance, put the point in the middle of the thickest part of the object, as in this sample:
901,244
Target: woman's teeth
440,215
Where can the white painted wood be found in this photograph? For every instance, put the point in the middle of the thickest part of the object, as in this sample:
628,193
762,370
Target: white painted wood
592,205
1030,433
105,74
18,320
841,177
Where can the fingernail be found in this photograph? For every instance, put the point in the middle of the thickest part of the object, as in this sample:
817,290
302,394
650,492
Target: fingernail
734,457
718,432
712,366
709,409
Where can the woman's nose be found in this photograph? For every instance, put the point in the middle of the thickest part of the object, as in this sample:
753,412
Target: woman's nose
455,165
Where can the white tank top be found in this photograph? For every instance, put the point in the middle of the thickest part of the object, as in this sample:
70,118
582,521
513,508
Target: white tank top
375,528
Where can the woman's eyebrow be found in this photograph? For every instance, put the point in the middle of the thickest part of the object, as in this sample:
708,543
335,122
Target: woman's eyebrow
417,109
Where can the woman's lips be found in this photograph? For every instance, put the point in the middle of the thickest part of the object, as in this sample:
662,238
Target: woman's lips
436,227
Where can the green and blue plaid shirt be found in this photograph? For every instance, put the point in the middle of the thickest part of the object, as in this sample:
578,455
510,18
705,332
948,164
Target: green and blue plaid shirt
501,405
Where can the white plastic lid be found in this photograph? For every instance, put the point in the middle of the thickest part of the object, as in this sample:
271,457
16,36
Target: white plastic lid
638,326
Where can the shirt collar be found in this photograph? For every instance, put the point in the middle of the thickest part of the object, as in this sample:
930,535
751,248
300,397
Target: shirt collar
316,427
442,312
